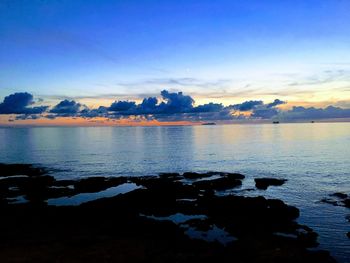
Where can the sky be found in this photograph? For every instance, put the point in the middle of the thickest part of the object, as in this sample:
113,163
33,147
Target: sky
219,53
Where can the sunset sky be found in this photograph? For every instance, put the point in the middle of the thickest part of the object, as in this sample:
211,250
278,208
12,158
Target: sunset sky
220,52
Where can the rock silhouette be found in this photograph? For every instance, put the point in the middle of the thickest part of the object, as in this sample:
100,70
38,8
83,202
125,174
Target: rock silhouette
264,183
144,224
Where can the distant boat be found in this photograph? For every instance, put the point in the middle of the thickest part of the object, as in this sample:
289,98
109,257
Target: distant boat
275,122
209,123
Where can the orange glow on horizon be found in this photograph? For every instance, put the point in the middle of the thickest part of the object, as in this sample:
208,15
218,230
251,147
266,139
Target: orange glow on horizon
69,121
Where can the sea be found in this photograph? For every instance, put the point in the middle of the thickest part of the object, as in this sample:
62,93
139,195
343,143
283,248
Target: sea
313,157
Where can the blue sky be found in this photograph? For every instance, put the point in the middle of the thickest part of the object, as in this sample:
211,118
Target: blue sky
222,51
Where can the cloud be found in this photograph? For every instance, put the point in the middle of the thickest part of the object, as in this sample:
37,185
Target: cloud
148,105
175,102
122,106
172,103
67,108
247,105
170,106
258,109
93,113
18,103
27,117
267,111
302,113
210,107
264,112
275,103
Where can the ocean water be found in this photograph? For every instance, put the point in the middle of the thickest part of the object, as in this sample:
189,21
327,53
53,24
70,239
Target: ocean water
314,157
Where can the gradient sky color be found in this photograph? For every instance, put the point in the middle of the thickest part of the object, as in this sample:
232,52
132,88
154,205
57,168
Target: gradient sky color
220,51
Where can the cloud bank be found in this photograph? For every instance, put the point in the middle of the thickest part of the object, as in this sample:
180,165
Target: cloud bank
170,106
18,103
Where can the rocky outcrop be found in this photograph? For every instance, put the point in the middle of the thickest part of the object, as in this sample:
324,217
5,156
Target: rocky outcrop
264,183
337,199
143,225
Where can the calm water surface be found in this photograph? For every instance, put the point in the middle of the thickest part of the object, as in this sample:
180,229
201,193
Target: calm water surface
313,157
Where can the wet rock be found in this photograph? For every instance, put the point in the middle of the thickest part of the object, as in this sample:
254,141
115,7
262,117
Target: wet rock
222,183
337,199
91,184
113,229
347,203
64,183
279,209
264,183
171,176
193,175
20,169
236,176
330,201
340,195
307,237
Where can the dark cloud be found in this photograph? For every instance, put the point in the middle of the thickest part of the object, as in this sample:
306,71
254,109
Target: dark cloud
27,117
247,105
267,111
175,102
122,106
300,113
258,109
100,112
264,112
50,116
210,107
275,103
148,104
173,106
67,108
18,103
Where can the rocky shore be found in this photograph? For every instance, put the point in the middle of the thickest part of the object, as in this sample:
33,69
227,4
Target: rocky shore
165,218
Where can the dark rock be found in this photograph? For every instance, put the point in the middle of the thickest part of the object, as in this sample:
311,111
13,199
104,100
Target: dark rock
114,229
192,175
172,176
65,183
236,176
279,209
90,185
340,195
337,199
264,183
222,183
348,234
20,169
347,203
307,238
330,201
